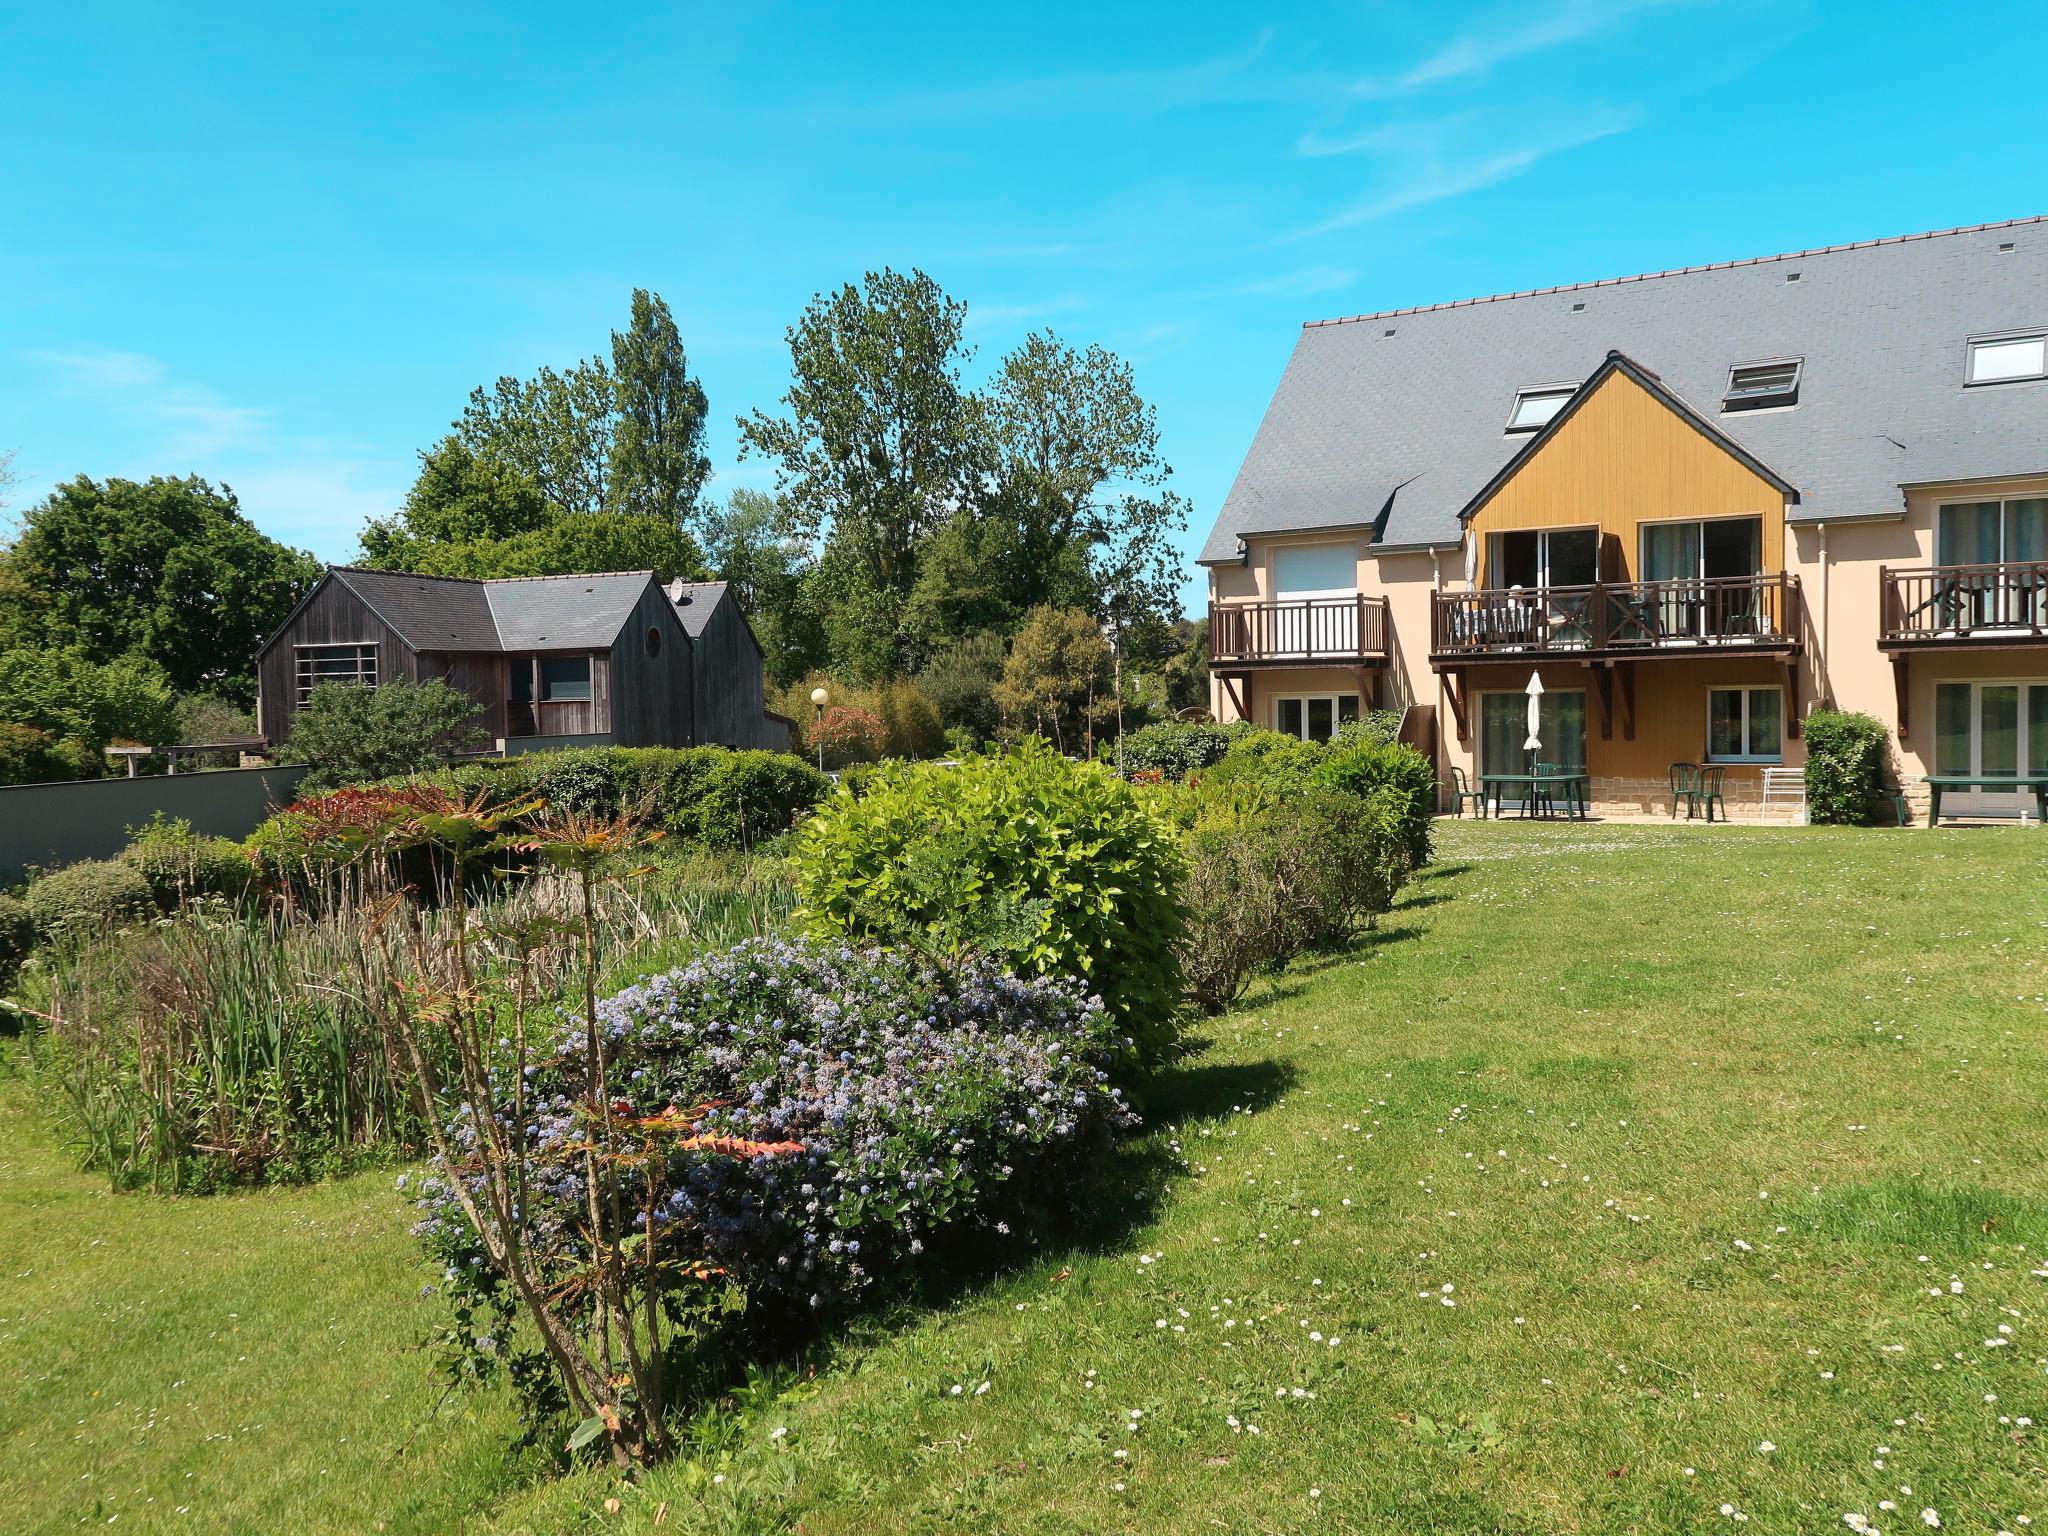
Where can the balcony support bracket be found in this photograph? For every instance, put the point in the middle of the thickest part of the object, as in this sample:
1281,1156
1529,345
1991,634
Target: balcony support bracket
1368,686
1233,685
1790,665
1902,688
1454,691
1625,691
1603,684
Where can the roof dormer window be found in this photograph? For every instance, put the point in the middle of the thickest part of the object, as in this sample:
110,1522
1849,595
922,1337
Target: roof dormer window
1534,407
1753,386
2003,359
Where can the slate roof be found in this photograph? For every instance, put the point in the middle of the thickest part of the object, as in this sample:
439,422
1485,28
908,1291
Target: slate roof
564,613
1396,419
431,613
695,602
529,613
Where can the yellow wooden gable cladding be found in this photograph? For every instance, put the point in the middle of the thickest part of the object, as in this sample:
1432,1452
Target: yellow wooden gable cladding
1625,458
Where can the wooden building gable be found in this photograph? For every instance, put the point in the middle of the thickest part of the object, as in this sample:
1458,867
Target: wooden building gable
1623,452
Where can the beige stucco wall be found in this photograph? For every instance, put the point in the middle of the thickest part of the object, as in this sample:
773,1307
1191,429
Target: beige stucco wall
1838,570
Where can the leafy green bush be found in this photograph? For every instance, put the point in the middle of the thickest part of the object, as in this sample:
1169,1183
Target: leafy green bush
352,735
180,865
1272,758
1174,751
1848,758
1375,725
80,705
1274,871
17,936
1392,770
1054,866
88,896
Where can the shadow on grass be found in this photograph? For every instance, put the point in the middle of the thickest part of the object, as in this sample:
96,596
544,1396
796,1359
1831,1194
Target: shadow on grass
1096,1213
1442,872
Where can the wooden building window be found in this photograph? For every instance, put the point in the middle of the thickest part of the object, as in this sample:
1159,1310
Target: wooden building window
355,664
564,678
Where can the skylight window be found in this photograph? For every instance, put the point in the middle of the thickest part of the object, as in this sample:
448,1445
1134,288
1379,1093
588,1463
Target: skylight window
1752,386
2001,359
1533,407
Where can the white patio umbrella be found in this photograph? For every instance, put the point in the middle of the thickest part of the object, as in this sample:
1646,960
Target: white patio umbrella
1535,691
1471,561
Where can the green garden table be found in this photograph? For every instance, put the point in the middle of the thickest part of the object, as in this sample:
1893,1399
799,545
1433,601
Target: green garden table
1937,782
1577,786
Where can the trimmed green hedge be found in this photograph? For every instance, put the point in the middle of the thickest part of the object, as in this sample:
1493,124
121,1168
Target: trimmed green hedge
1054,867
1174,751
1848,761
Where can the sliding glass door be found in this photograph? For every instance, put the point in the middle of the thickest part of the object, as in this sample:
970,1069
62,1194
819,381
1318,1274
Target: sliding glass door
1703,573
1504,726
2011,537
1987,730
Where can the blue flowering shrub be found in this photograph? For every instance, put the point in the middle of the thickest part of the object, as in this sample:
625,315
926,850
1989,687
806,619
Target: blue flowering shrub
1056,868
853,1117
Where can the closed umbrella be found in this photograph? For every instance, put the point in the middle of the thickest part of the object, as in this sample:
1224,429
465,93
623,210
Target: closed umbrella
1471,561
1535,691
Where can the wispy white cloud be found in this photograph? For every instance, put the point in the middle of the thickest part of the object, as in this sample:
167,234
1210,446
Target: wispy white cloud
99,367
1226,77
990,317
1498,36
1429,162
301,488
1305,283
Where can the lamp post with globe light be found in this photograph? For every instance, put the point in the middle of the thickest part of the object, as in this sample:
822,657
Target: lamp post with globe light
818,698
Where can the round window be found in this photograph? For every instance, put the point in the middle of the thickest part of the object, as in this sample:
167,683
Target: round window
653,642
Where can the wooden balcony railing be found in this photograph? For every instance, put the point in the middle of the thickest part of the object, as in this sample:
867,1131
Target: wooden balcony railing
1300,631
1955,604
1635,617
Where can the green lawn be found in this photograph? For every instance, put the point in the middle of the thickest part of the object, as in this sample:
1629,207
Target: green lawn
1630,1173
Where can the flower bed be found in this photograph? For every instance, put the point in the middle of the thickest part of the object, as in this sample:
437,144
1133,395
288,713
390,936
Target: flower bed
851,1115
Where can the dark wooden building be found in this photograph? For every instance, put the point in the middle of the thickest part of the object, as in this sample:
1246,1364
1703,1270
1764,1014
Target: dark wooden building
599,659
726,661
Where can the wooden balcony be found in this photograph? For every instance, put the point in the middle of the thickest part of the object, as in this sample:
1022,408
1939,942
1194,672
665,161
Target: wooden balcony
1933,607
1617,619
1303,632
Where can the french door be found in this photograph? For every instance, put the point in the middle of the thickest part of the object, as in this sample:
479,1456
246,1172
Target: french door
1504,726
1314,716
1684,558
1986,730
1324,577
1552,566
1993,534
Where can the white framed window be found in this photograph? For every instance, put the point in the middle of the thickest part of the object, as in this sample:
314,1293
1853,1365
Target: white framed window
2004,359
1534,407
1753,386
354,663
1746,725
1314,716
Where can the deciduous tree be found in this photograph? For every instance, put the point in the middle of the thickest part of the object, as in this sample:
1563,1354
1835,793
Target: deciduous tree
168,569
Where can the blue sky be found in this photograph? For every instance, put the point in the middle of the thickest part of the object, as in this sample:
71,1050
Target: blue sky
277,248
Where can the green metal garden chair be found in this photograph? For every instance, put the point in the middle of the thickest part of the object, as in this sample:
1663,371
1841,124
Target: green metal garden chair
1462,790
1685,785
1709,792
1541,796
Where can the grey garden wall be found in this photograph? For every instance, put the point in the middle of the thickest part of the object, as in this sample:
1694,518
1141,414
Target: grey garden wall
50,824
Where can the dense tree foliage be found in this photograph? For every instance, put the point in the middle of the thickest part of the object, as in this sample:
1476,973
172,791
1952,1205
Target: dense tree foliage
167,569
1057,677
59,709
